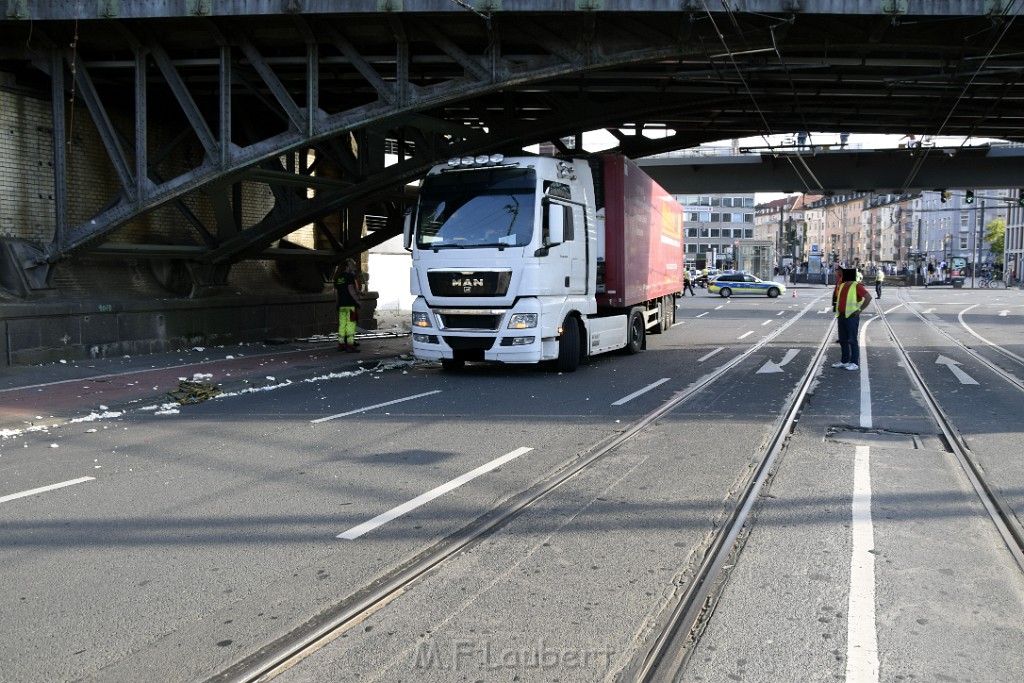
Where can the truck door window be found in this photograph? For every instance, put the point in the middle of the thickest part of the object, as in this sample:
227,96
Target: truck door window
477,208
563,191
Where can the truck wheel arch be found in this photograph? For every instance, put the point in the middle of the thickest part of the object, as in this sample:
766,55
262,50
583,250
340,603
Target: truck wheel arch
569,344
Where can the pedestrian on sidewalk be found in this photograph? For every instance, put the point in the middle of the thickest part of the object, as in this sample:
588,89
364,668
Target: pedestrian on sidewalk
850,299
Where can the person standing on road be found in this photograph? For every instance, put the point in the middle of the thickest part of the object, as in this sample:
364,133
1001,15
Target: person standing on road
688,283
346,292
850,299
879,279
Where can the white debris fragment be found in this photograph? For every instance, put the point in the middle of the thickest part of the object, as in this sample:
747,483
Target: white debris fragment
200,376
64,362
272,379
91,431
92,417
229,357
200,349
53,445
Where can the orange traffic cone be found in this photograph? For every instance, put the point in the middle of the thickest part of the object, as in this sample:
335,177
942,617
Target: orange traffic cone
794,292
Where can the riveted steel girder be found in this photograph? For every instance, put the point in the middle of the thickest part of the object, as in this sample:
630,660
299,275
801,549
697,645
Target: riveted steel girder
255,86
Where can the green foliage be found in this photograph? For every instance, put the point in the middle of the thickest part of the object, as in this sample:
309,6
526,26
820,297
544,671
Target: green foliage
995,234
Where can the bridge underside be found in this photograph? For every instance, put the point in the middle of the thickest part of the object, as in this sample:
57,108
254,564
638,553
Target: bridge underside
333,108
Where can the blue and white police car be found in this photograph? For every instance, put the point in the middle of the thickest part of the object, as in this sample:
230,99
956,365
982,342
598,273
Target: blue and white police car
731,284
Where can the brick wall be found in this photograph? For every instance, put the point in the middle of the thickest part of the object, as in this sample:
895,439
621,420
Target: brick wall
26,167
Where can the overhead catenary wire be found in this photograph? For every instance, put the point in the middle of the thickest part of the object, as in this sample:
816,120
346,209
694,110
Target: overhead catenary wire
753,99
920,159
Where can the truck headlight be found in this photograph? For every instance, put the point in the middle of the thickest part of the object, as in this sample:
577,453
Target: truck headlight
420,319
522,321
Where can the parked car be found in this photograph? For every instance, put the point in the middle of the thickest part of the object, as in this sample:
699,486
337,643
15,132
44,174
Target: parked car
729,284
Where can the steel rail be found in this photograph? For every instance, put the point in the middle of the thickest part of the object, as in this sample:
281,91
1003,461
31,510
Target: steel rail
668,651
1000,372
1002,516
321,629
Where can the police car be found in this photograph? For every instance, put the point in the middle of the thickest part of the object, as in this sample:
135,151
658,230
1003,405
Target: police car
741,283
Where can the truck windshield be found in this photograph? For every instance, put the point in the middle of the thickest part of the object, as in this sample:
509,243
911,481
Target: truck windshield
479,208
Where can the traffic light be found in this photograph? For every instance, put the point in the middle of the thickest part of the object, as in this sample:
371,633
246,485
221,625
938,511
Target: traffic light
1020,197
944,196
969,197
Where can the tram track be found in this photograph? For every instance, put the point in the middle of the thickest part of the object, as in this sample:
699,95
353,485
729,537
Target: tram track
1006,522
669,651
291,648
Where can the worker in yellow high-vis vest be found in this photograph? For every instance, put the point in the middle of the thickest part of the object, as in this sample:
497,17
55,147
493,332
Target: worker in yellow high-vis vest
849,299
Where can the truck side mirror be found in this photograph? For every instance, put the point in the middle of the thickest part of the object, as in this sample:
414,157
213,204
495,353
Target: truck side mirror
554,232
407,230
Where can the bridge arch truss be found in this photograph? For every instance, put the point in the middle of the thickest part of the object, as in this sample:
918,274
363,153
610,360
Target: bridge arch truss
334,107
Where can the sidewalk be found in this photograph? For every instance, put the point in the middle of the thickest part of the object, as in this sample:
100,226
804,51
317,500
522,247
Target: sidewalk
34,397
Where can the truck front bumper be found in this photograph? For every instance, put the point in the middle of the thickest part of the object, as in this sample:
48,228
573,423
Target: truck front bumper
433,339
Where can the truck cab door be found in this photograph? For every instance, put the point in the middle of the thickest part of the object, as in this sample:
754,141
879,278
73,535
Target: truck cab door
567,243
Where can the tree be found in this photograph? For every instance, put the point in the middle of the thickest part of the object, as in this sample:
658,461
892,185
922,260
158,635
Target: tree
995,233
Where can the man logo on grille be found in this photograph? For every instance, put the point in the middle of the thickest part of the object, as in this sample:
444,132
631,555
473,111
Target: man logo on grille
467,283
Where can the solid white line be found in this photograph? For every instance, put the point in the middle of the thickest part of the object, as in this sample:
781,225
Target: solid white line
862,638
708,355
626,399
744,336
866,417
967,327
44,489
379,405
357,531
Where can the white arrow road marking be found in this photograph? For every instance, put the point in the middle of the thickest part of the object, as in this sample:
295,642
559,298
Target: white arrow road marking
957,372
385,517
772,367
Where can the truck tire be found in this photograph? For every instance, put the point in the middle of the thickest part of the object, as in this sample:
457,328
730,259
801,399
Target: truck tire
635,331
452,364
569,346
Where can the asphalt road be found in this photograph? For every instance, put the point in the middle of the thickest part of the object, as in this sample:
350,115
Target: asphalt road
206,531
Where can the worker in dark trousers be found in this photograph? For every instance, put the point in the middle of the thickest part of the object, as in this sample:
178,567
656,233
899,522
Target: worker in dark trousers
879,279
346,292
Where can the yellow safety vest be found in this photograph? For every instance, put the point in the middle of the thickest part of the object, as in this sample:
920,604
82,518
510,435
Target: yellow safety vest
847,291
879,276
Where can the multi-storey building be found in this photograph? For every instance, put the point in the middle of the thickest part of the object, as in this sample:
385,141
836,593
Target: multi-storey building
716,225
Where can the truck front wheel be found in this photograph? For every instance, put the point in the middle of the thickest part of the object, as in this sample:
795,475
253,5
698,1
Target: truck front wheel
569,345
635,332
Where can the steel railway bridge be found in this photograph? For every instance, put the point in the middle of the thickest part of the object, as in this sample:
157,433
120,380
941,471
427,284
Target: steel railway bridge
313,100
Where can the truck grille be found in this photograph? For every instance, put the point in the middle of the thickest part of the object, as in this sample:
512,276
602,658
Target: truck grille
469,283
482,320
